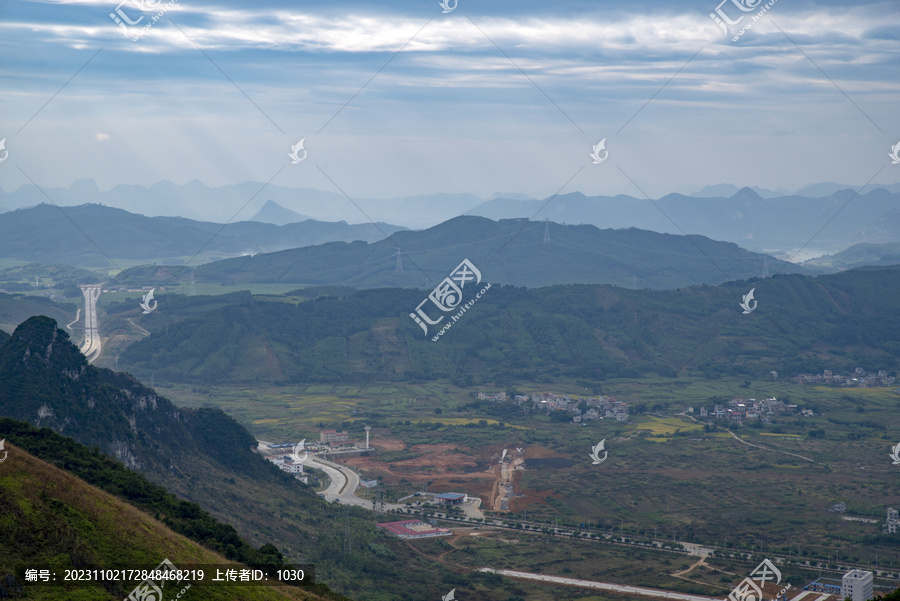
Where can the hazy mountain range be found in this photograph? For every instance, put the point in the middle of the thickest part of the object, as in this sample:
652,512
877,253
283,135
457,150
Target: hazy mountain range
509,251
97,236
240,202
829,216
778,225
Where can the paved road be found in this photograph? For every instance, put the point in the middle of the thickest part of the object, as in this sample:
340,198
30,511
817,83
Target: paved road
344,483
92,345
74,321
619,588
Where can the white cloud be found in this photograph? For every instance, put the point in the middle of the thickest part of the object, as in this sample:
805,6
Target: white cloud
232,29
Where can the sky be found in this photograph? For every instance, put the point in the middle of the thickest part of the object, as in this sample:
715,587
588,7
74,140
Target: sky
401,98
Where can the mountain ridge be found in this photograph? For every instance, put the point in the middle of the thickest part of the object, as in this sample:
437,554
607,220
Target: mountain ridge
593,332
511,251
94,235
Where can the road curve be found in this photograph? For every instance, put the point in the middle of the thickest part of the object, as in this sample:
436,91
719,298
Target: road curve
344,483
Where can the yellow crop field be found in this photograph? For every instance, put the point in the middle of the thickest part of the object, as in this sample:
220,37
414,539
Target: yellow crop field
665,425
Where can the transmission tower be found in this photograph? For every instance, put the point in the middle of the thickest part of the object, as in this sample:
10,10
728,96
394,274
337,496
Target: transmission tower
765,273
193,291
398,267
546,232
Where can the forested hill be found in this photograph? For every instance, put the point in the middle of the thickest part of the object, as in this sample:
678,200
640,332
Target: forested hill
511,251
45,380
801,324
202,456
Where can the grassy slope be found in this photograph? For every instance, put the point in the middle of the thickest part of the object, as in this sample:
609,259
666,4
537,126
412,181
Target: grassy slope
51,518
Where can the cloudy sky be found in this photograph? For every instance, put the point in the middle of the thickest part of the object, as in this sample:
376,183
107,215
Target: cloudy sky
400,98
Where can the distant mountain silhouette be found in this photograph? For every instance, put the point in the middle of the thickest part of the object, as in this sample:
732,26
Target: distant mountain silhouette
274,213
511,251
94,235
237,202
860,255
744,216
727,190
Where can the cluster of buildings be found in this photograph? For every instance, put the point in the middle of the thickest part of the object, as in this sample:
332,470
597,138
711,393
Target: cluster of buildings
739,410
286,464
859,379
600,407
891,522
855,585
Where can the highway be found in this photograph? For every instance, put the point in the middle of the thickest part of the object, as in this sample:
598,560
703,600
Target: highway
92,345
619,588
344,483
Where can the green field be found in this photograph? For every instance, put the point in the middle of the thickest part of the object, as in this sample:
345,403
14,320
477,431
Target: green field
665,473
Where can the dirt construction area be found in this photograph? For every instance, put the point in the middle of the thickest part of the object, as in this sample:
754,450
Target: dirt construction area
455,468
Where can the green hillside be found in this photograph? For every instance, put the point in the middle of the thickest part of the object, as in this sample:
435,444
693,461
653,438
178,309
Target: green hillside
202,456
802,324
509,251
53,519
16,308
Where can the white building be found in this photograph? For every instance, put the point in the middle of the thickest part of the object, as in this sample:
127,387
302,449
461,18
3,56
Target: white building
857,585
892,524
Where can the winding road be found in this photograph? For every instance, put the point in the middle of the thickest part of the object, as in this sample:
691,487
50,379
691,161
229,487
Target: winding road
344,483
